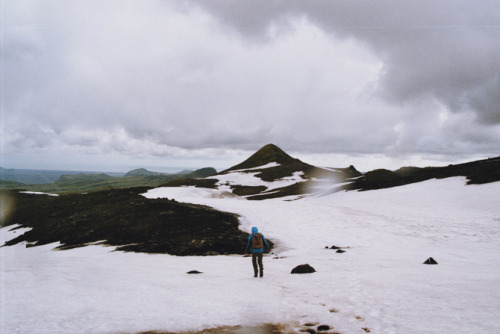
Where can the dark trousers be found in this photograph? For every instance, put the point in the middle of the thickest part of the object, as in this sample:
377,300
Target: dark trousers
257,259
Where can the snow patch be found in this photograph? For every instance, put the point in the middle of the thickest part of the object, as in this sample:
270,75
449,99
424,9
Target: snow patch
252,180
37,193
12,231
269,165
186,194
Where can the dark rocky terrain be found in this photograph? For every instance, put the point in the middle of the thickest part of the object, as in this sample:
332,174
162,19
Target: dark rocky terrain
329,180
286,166
124,218
476,172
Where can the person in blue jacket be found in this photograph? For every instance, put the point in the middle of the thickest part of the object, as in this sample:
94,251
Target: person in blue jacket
257,241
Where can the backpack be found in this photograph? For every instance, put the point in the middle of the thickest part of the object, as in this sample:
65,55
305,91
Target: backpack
257,241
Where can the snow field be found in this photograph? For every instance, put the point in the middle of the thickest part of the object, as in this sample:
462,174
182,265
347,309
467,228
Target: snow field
380,282
250,179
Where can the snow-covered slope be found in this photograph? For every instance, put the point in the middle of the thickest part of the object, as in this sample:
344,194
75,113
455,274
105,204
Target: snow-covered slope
379,284
249,178
272,173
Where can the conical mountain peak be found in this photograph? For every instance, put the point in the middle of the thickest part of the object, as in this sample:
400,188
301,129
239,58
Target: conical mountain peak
267,154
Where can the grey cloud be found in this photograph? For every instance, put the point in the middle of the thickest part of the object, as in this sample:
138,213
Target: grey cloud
446,50
164,77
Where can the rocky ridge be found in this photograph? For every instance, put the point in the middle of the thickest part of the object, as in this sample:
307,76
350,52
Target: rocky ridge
272,173
125,219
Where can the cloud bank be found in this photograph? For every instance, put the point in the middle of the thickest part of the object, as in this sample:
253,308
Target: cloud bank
188,80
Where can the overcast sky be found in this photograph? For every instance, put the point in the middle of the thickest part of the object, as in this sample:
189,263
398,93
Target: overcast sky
115,85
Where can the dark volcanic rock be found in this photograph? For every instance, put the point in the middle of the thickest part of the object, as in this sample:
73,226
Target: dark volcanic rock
430,261
303,269
202,183
194,272
268,153
247,190
294,189
338,249
477,172
310,324
322,328
124,218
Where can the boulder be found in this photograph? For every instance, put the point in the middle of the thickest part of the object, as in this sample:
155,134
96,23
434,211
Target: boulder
430,261
303,269
194,272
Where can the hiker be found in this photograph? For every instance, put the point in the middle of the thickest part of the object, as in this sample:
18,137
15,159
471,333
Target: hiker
257,240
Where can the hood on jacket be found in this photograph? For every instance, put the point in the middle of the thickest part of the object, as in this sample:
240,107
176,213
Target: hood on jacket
255,230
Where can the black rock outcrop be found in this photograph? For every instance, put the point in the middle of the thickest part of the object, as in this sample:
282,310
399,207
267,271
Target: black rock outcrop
127,220
303,269
194,272
430,261
477,172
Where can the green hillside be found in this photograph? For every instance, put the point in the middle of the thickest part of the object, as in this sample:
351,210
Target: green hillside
93,182
143,172
5,184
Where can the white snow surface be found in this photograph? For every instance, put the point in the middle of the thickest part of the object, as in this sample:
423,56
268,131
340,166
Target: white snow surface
251,179
379,283
268,165
38,193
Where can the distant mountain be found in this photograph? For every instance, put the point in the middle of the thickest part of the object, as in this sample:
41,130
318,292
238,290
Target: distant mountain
269,153
67,181
271,163
33,176
82,179
142,172
270,173
203,172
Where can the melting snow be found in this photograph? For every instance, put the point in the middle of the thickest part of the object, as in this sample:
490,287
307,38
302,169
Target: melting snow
38,193
269,165
252,180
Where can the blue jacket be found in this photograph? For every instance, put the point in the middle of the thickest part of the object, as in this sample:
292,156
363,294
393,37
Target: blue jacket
250,237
